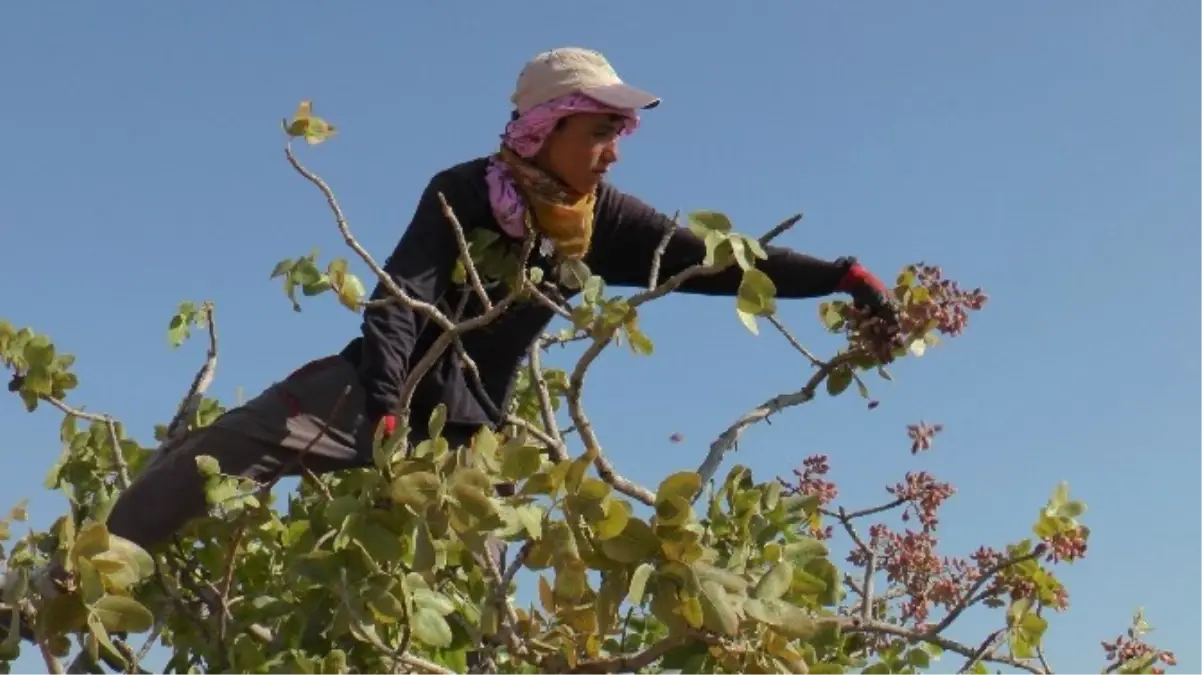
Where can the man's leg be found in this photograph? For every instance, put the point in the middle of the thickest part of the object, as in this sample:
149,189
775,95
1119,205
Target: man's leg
170,492
312,416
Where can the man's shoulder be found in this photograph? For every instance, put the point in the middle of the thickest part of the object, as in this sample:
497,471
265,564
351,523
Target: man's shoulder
469,172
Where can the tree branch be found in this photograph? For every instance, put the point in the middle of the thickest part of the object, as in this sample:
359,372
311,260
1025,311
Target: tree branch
869,566
986,576
857,625
729,438
200,383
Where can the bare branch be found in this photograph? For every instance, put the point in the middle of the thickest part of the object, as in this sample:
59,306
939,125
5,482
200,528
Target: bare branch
658,256
118,457
869,567
544,394
200,383
970,597
472,274
857,625
983,651
729,438
628,663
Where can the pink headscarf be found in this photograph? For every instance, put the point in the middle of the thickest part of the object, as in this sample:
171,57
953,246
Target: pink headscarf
525,136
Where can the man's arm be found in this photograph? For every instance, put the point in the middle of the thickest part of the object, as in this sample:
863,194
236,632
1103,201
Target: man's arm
421,265
635,230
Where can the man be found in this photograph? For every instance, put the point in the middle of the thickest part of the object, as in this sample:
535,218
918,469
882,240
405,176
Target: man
570,110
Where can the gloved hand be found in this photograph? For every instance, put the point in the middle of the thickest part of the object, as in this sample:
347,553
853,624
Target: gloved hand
388,425
869,292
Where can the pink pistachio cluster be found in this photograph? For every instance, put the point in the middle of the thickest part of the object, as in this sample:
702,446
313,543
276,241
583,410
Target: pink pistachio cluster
810,483
929,302
922,435
946,304
923,496
1126,648
1068,546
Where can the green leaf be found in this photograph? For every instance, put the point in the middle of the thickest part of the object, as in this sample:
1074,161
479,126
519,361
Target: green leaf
638,583
617,514
415,489
351,292
918,658
757,293
281,268
785,618
207,465
838,380
438,420
635,543
705,220
118,613
776,582
682,484
430,628
520,462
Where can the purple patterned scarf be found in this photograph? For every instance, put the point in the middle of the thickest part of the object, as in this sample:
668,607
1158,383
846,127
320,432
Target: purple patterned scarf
524,136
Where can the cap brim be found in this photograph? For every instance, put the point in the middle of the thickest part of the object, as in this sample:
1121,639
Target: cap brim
622,95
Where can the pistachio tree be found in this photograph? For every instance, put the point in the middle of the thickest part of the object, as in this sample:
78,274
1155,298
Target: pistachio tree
382,569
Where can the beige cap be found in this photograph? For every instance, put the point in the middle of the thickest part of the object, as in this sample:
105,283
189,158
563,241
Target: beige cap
562,71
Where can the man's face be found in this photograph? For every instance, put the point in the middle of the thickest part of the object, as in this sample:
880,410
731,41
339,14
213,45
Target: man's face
581,149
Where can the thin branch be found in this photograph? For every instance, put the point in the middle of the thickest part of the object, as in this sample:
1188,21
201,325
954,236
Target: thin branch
1043,661
51,661
546,300
869,567
985,578
873,510
983,651
200,383
543,394
658,256
628,663
424,665
729,438
118,457
472,274
858,625
557,449
793,340
781,228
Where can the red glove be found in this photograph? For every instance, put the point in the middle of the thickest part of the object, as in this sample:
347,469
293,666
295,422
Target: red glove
388,422
868,291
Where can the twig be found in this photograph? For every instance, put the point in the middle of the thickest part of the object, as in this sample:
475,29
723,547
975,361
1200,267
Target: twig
781,228
472,273
511,616
628,663
547,301
118,457
857,625
870,511
727,440
51,661
982,652
543,394
424,665
985,578
200,383
793,341
658,256
869,567
1043,661
557,449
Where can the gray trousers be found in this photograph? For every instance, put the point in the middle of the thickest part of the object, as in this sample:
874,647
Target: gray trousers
261,440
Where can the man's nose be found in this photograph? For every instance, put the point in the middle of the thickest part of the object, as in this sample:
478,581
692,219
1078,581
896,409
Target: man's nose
610,155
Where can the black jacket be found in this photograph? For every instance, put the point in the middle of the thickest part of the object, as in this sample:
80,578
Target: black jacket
626,234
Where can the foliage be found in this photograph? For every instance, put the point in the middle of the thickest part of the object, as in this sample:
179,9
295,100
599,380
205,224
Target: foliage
384,569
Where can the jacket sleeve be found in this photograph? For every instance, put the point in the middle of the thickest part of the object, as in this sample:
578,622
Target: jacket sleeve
421,265
631,231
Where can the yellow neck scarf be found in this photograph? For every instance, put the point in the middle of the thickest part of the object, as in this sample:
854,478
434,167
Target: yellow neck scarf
553,209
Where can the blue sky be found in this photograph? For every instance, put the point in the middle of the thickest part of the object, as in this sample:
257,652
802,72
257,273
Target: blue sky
1044,151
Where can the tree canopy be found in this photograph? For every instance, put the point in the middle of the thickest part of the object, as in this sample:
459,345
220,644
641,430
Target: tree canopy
378,569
